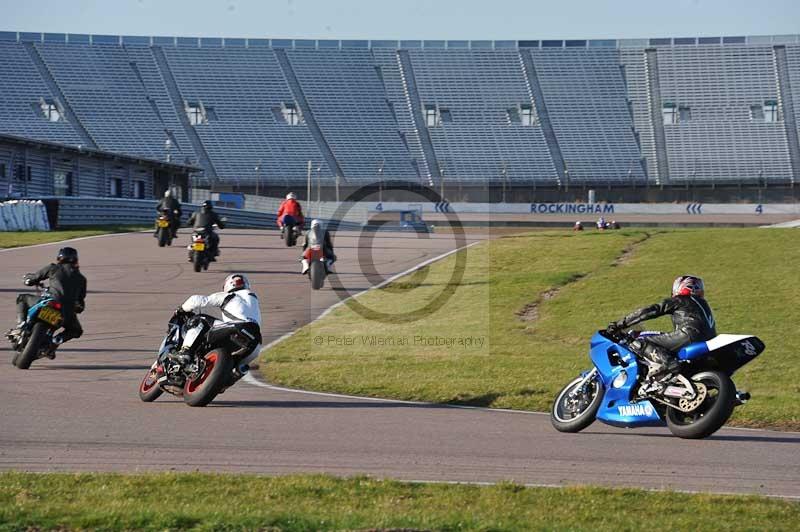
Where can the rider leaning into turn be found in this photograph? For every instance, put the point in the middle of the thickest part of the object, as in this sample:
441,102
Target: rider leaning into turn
236,303
67,286
318,235
290,207
204,219
173,207
691,317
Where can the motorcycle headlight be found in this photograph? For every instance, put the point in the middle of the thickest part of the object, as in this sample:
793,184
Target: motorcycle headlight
620,379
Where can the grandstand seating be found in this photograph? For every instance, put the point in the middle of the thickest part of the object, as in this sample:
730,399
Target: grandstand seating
595,105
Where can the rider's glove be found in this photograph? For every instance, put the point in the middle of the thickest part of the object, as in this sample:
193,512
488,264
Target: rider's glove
28,280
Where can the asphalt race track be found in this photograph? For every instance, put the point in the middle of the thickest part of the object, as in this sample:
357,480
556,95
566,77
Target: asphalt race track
81,411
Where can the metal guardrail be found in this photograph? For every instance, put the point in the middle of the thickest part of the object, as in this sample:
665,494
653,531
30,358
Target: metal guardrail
83,211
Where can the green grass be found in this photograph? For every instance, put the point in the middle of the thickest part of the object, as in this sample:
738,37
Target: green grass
30,501
752,283
13,239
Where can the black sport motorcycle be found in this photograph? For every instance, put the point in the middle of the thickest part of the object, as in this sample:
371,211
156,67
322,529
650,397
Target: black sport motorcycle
34,339
164,229
291,231
206,366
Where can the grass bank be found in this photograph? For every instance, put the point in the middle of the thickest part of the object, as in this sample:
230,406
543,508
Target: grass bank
30,501
517,326
13,239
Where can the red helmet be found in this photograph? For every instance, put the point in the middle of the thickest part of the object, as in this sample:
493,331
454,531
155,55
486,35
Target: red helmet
236,281
688,285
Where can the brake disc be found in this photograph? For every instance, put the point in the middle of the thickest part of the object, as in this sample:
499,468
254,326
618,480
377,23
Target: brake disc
689,405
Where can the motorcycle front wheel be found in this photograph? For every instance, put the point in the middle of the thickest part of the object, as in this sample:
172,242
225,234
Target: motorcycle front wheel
36,342
711,414
149,390
576,405
202,388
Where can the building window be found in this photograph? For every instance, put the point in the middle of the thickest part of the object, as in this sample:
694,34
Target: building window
290,114
756,112
526,115
684,113
138,189
50,110
196,114
513,115
670,113
770,111
445,117
62,183
431,116
115,190
22,173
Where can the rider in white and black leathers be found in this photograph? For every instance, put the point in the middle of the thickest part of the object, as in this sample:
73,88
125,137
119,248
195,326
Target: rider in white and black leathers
317,235
236,303
691,317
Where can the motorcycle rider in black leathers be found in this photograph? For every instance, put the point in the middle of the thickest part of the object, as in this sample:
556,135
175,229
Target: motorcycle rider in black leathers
691,317
204,219
67,286
173,207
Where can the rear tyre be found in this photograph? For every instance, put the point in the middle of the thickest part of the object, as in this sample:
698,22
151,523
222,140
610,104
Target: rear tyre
163,237
201,389
197,261
149,390
712,414
290,237
573,413
38,339
317,274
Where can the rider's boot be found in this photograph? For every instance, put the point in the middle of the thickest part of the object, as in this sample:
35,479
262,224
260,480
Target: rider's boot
50,352
306,265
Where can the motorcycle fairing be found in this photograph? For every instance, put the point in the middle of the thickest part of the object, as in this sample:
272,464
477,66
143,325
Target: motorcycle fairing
729,351
616,409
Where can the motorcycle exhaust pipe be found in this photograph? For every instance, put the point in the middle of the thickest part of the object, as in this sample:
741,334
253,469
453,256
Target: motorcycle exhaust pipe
742,397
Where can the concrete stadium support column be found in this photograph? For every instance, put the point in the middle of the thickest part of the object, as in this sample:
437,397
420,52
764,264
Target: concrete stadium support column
544,117
308,114
787,103
656,119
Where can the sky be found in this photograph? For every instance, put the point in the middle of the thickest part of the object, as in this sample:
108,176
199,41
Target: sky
406,19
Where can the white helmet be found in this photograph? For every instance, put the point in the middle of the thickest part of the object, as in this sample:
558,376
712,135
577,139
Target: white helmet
167,193
291,195
315,223
236,281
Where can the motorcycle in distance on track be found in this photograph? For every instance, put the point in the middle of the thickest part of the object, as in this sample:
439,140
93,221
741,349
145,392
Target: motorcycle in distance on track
34,339
164,231
291,230
207,368
199,249
694,404
318,266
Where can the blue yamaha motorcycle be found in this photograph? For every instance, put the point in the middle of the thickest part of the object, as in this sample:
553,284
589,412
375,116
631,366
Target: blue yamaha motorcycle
693,404
35,338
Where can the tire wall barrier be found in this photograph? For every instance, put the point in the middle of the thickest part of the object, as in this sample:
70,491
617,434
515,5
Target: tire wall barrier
23,215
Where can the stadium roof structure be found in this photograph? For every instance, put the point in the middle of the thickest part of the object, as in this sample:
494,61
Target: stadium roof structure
333,44
97,154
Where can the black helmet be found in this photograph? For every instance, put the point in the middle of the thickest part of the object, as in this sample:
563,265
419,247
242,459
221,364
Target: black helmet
69,255
207,205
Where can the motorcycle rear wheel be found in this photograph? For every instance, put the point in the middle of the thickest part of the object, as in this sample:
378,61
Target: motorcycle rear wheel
163,236
586,416
149,390
197,261
317,274
201,389
36,341
712,414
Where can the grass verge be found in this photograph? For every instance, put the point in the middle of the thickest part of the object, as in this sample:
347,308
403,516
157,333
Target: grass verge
529,305
31,501
13,239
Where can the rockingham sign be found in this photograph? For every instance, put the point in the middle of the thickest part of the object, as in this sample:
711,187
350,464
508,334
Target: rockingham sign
596,209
